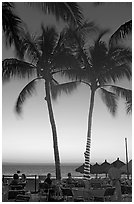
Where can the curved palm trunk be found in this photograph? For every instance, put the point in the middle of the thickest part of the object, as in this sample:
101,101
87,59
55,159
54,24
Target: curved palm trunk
53,125
88,145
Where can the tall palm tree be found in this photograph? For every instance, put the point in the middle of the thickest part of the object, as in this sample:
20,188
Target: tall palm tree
100,66
44,53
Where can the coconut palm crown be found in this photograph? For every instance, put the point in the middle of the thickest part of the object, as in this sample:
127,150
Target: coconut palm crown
100,67
43,54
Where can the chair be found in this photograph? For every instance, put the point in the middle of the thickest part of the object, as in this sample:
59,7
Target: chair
22,198
16,187
126,192
78,195
108,193
96,185
67,194
13,193
43,191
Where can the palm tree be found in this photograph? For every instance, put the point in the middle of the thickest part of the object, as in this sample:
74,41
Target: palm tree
44,54
100,66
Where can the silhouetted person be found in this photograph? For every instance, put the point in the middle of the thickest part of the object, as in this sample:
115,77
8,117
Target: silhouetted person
115,176
23,180
15,180
48,180
70,181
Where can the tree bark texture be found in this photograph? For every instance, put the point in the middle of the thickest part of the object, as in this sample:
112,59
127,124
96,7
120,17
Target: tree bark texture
54,132
88,145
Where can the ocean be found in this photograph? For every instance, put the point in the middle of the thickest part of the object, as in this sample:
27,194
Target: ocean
40,169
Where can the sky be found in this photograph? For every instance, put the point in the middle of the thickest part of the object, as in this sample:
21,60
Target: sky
28,138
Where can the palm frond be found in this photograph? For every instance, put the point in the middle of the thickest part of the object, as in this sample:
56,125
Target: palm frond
87,29
121,33
101,33
68,11
47,41
26,92
124,93
98,55
110,100
13,28
31,47
65,60
129,106
116,73
120,55
116,65
58,89
17,68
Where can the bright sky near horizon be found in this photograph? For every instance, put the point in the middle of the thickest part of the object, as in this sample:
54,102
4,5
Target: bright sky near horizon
29,139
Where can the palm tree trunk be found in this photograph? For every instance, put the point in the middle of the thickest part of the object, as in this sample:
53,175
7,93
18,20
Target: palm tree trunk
54,132
88,145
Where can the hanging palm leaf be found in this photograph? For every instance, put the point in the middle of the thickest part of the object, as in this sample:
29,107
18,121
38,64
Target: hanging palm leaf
58,89
26,92
110,99
122,32
124,93
17,68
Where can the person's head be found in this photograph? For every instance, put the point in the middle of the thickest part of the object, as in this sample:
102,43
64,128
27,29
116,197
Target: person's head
69,175
48,175
15,177
23,176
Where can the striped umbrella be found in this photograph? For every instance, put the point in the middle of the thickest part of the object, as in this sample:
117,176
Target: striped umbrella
94,169
80,169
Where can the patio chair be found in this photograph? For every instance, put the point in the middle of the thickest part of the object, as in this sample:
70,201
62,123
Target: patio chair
67,194
22,198
16,187
96,185
12,194
109,192
43,192
126,192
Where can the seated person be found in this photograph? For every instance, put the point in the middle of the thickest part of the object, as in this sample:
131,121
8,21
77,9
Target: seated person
15,180
70,181
23,180
48,180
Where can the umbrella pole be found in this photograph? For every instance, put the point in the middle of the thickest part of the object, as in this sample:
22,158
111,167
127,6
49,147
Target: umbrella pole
127,158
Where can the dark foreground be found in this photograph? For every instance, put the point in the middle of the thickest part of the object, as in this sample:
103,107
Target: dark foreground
99,190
